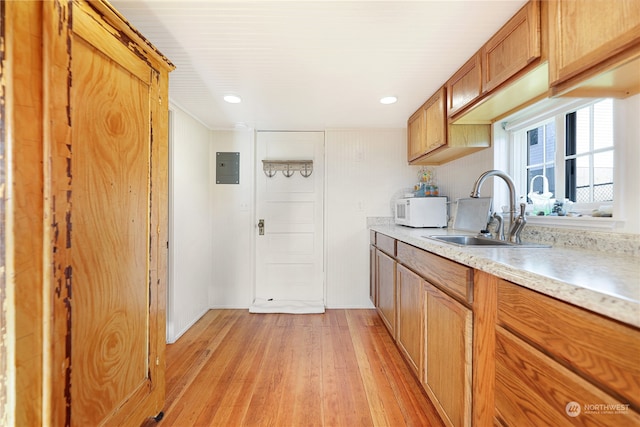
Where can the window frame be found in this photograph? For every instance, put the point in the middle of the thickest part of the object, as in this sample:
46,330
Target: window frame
517,137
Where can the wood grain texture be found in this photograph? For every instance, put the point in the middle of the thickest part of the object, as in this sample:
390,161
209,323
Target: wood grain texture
435,126
433,141
409,335
386,244
106,149
386,277
111,155
582,38
340,368
512,48
484,336
455,278
56,279
416,144
23,154
534,390
601,349
373,283
447,355
465,86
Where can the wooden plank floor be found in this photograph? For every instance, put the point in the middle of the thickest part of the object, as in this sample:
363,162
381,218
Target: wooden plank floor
341,368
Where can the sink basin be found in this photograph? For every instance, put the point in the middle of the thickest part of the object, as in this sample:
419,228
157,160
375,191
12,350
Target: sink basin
483,242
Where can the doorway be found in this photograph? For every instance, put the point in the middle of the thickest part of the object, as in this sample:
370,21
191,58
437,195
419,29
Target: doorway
289,225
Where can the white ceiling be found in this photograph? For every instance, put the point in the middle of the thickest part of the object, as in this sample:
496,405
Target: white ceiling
312,65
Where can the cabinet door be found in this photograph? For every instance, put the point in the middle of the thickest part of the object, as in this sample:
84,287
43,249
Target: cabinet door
435,121
107,112
584,37
447,356
465,86
415,135
372,276
410,316
512,48
386,276
534,390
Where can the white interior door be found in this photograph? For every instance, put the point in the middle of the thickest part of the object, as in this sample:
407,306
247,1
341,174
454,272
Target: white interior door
289,255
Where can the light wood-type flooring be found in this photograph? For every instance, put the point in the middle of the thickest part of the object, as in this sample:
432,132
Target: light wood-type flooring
341,368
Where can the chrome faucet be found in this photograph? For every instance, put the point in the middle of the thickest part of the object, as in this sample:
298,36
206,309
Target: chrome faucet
516,223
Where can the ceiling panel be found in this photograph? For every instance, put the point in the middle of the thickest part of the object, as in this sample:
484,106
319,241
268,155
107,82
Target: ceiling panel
300,65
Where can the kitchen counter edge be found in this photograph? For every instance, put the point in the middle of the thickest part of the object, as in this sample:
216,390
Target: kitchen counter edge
603,283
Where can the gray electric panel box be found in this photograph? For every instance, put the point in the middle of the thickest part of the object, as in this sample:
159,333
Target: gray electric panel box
227,168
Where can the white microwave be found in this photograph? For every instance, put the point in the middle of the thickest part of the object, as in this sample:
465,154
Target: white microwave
421,212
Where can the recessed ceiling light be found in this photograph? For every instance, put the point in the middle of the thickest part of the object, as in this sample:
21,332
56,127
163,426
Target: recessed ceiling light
388,100
232,99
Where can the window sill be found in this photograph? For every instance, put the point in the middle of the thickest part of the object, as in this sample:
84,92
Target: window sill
582,222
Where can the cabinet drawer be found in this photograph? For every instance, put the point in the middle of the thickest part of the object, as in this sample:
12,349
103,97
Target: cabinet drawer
599,348
531,386
386,244
372,237
446,274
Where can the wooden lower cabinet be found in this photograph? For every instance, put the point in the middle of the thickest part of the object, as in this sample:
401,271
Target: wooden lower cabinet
409,331
532,389
372,276
558,364
448,338
491,352
386,290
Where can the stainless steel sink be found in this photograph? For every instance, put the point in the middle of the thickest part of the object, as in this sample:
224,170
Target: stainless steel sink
483,242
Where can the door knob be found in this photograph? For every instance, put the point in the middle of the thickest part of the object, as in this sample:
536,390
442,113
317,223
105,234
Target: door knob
261,227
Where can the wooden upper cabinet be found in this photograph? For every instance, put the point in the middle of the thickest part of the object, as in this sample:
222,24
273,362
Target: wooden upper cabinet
438,142
465,86
415,135
427,127
588,39
435,121
511,49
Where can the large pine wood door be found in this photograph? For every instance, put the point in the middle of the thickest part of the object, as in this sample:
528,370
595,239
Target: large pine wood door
107,198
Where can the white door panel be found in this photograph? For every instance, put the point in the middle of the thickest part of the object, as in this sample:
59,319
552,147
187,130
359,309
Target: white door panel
289,256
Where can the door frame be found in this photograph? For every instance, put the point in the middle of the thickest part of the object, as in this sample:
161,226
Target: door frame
254,214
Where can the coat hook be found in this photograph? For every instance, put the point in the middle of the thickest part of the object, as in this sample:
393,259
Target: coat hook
305,171
287,171
269,172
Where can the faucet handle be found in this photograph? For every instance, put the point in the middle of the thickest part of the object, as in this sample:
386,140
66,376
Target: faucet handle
523,209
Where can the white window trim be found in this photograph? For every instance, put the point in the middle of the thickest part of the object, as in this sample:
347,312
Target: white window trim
536,116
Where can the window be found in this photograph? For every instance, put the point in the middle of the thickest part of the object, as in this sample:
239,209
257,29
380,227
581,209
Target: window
541,156
589,154
573,149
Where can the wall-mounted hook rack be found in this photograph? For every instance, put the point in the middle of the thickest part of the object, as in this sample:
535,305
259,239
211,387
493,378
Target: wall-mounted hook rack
287,167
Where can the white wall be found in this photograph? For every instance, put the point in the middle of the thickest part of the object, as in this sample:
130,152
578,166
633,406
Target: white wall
190,249
627,161
455,179
232,208
365,168
212,226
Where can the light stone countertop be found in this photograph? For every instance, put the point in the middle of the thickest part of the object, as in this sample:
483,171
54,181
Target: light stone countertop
605,283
